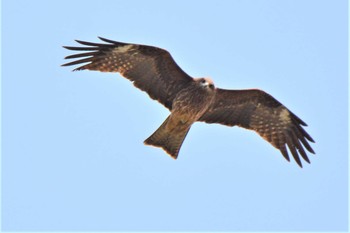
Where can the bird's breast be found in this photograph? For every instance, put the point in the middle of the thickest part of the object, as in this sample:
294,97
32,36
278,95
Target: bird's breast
192,103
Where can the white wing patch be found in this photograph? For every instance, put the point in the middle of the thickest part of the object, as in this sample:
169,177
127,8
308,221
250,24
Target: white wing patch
123,49
285,116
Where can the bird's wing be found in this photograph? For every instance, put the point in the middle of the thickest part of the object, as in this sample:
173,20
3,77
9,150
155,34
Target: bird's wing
151,69
256,110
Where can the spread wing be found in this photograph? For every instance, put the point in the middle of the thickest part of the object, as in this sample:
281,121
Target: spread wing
258,111
151,69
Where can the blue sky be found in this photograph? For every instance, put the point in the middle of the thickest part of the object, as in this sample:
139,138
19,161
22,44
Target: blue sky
73,157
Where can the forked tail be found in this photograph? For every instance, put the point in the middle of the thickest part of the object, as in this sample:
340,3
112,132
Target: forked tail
169,139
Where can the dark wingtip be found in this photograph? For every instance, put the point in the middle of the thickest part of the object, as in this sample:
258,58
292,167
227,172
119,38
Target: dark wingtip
311,151
86,43
107,40
102,38
311,139
76,69
284,152
65,64
298,162
297,119
69,47
111,42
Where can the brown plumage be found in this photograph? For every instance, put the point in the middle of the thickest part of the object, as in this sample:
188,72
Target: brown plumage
154,71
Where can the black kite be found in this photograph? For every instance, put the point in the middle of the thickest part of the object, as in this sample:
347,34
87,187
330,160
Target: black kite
154,71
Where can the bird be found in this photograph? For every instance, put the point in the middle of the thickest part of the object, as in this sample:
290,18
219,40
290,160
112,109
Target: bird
189,100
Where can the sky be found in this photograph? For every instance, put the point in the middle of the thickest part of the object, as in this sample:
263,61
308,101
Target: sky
72,152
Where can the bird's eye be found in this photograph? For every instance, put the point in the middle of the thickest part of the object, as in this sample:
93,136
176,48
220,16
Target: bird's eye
211,85
203,81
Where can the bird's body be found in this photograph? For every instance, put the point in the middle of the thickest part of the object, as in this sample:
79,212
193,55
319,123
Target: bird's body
186,110
189,100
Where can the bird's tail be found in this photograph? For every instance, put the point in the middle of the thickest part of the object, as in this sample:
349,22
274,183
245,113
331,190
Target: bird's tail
169,139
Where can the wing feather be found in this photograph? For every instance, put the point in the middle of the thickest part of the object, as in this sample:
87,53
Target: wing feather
151,69
78,55
256,110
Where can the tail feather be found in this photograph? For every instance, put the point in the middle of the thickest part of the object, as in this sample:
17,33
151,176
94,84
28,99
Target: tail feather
170,140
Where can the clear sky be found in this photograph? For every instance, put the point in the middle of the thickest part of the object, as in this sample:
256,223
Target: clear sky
73,157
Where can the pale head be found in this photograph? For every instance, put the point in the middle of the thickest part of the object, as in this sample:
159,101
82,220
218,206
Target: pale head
205,83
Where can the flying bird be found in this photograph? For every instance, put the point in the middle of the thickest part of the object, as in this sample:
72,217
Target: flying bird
189,100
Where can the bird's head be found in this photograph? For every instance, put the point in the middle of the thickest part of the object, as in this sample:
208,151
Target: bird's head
205,83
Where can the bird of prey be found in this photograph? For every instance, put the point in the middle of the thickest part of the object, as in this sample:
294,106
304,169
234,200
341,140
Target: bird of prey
189,100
